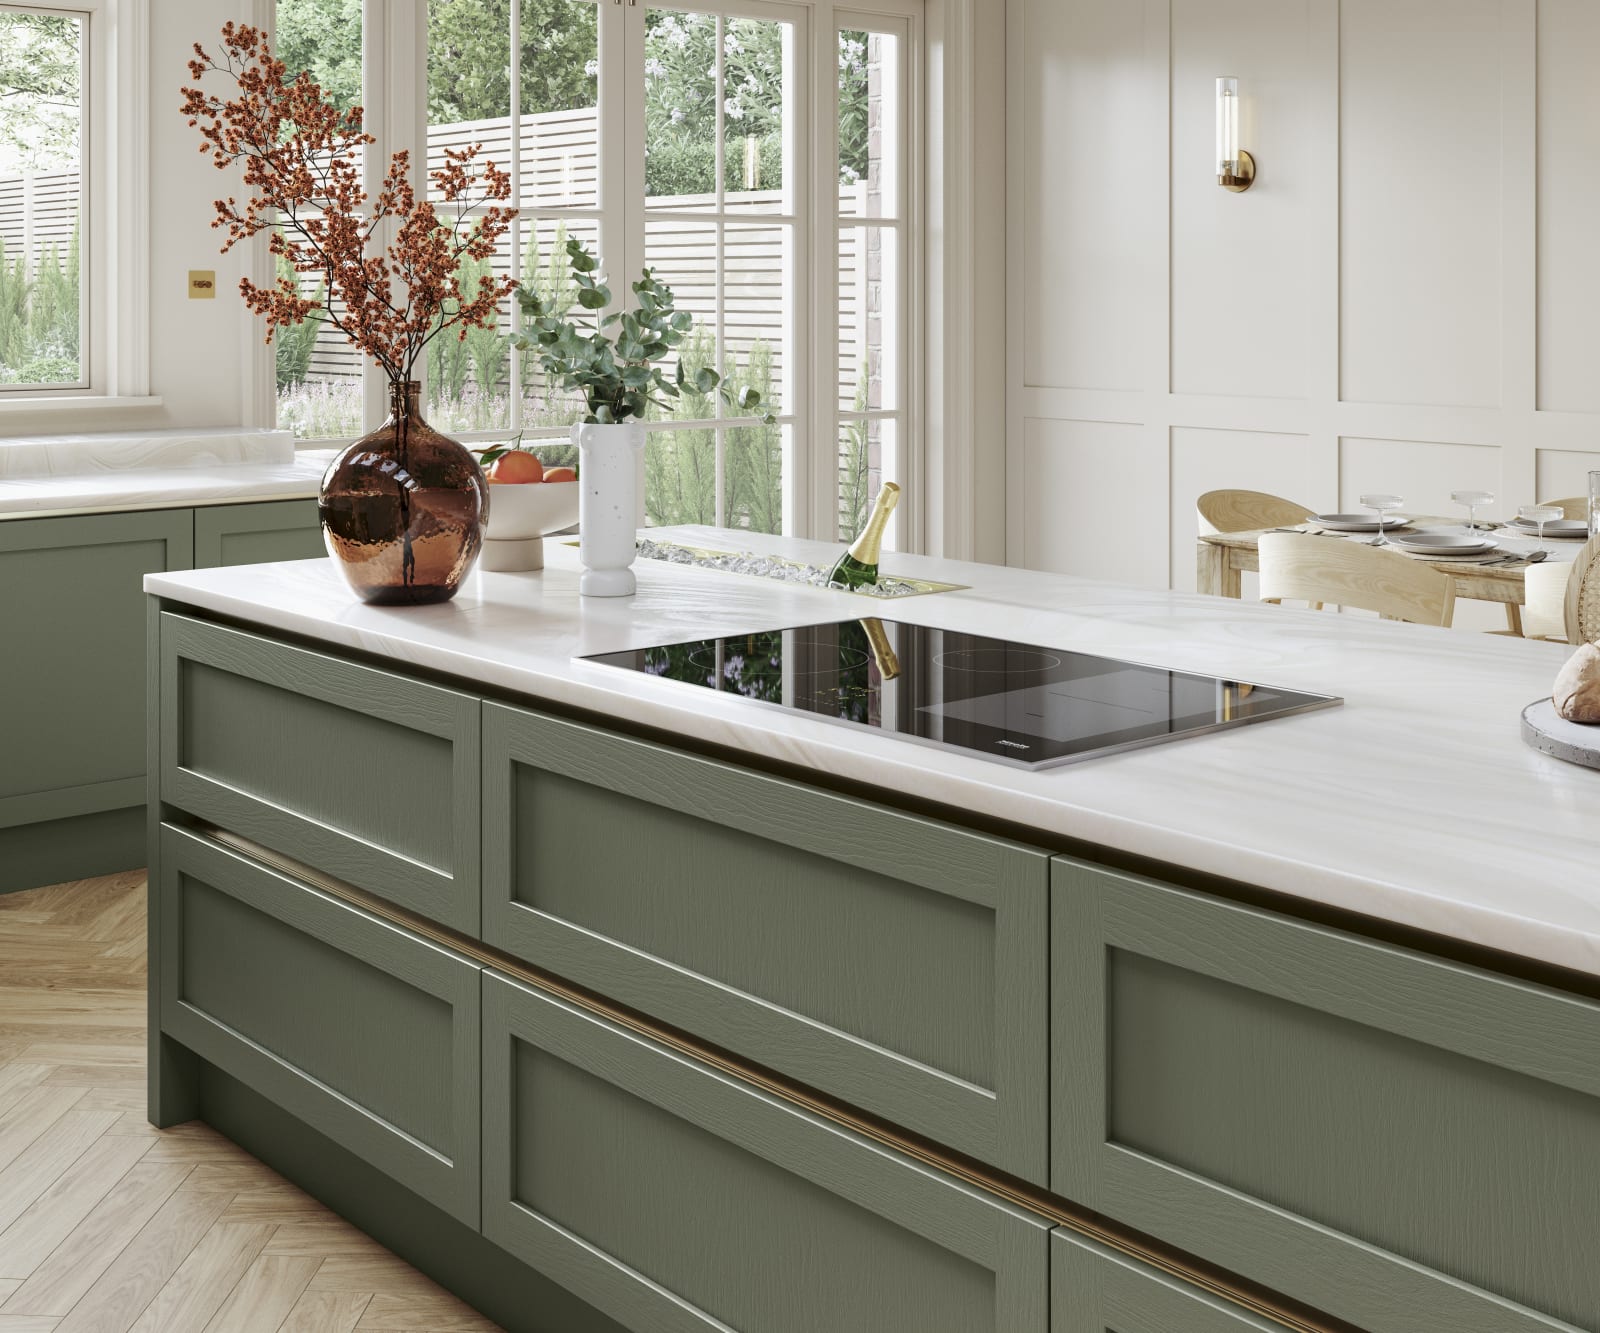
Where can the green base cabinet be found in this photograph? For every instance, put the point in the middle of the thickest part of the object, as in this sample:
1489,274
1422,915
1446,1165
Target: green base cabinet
677,1200
72,661
365,1032
257,534
72,764
892,961
1094,1289
1406,1143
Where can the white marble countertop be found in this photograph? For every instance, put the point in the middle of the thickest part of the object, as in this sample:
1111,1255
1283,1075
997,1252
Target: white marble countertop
1416,802
163,487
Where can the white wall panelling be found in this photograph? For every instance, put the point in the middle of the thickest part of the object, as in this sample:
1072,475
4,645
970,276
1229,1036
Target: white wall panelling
1564,473
1070,470
1569,203
1407,298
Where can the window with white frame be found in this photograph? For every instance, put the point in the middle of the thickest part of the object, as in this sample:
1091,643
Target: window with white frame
756,154
44,181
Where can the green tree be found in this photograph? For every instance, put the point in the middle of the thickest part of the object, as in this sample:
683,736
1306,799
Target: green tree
40,92
294,345
752,462
53,307
469,58
680,466
854,48
324,37
681,101
14,291
855,497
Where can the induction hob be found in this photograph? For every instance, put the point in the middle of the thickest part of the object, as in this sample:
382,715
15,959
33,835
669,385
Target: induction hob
1015,703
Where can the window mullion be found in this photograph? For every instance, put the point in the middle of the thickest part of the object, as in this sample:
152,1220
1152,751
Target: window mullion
519,223
824,443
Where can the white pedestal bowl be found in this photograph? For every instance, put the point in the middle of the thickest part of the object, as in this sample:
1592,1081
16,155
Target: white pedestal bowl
520,514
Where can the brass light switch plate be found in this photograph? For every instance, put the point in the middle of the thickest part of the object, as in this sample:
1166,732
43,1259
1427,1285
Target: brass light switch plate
202,284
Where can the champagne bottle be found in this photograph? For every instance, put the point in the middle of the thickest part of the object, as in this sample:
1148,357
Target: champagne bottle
883,655
858,566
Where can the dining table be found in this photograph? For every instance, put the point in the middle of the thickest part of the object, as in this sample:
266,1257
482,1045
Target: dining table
1221,558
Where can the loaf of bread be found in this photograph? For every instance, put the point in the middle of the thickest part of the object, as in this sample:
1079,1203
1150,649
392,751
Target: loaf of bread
1577,692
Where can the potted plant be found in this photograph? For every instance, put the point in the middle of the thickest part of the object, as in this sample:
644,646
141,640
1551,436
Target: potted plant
620,379
402,509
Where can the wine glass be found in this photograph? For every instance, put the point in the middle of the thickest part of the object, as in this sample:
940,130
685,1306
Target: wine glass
1541,514
1381,504
1472,499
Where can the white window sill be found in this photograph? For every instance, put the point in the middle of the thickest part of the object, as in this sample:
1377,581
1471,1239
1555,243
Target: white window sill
20,403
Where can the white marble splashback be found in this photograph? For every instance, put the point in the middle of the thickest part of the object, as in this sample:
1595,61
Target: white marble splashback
1416,802
118,451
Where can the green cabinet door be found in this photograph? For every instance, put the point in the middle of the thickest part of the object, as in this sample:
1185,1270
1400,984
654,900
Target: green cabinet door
1096,1290
72,665
892,961
367,775
257,534
360,1029
1407,1143
676,1199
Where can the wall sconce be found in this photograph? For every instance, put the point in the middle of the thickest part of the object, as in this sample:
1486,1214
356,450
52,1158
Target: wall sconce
1236,169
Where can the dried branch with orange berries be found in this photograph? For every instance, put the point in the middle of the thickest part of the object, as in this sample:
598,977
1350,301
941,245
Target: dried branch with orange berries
302,160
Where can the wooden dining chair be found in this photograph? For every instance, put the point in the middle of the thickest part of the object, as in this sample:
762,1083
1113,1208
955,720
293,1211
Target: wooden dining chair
1315,569
1562,601
1245,511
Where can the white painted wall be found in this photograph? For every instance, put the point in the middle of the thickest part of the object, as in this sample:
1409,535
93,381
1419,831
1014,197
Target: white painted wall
1407,300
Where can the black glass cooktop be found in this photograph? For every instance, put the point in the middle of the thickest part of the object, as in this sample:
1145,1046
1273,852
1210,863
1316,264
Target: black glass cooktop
1012,702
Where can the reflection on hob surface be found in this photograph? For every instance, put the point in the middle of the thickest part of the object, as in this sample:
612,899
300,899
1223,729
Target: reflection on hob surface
1014,702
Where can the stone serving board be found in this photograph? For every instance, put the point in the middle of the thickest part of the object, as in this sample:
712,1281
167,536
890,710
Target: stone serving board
1550,733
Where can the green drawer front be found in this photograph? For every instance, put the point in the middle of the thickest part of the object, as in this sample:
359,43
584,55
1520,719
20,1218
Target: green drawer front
366,775
362,1030
72,659
892,961
1409,1144
1096,1290
673,1198
257,534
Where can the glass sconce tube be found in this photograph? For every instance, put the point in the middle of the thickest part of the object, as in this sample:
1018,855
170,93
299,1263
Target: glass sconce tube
1236,169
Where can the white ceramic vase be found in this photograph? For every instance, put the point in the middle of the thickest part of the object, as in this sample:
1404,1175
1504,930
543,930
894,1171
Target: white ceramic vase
608,502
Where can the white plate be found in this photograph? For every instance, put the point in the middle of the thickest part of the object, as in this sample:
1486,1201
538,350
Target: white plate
1356,522
1556,527
1443,543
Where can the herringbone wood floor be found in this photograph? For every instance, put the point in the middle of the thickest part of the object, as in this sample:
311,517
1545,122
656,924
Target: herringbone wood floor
109,1225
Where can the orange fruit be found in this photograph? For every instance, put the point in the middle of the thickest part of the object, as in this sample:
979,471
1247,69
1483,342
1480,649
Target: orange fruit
560,474
516,466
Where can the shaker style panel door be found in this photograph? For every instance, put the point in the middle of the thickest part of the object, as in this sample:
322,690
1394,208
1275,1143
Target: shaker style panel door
366,775
676,1199
891,961
257,534
363,1030
1094,1289
1409,1144
72,660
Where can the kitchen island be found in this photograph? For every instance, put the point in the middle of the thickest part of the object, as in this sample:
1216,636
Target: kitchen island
618,1003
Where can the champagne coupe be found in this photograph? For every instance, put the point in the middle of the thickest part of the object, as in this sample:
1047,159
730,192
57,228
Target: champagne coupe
1541,514
1381,505
1472,499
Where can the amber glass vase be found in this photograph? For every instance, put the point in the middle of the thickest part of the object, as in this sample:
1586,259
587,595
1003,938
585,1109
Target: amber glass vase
403,508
